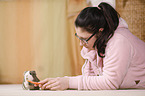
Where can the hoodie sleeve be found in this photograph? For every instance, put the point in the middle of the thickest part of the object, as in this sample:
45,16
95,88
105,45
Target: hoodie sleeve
116,63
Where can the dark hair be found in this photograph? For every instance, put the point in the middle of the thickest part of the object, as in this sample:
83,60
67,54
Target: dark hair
92,19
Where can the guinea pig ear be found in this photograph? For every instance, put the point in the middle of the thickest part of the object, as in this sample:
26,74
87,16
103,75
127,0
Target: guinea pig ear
25,72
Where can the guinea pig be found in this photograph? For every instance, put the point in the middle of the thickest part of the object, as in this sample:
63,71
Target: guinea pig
31,76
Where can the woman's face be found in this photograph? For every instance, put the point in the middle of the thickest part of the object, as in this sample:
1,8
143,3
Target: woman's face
82,34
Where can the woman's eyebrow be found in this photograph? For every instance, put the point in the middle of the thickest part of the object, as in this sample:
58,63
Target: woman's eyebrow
82,38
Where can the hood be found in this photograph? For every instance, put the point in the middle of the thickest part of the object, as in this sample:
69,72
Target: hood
122,23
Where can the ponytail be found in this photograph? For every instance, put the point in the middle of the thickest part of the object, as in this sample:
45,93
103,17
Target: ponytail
112,20
110,14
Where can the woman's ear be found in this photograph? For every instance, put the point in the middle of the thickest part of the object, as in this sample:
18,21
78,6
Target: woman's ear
101,29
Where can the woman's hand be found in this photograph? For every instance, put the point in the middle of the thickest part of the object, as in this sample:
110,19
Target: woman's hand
59,83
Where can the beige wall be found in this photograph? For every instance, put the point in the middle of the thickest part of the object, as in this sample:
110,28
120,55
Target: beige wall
38,35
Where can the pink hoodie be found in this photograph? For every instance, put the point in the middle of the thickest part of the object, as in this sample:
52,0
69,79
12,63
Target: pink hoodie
122,67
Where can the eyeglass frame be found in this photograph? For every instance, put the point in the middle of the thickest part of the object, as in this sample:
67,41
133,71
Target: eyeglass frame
84,40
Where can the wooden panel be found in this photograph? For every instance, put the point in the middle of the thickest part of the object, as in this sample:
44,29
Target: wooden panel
133,11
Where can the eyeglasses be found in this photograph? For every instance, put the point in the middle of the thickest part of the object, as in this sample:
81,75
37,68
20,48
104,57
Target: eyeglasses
84,40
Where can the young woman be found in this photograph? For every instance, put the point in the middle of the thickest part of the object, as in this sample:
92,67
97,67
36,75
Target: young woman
115,58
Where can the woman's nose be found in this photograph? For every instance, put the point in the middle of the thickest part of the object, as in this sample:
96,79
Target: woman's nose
81,43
